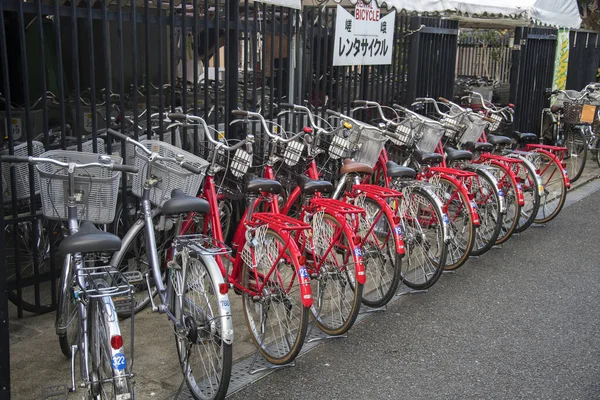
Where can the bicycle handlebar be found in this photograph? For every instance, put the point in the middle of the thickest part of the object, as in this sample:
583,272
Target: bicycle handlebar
311,120
104,162
246,115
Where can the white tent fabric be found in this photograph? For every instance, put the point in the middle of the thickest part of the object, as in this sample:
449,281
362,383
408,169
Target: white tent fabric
561,13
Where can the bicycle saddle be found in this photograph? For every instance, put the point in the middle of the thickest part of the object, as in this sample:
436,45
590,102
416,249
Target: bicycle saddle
312,186
182,203
498,140
427,158
258,185
355,167
397,171
555,108
526,137
90,239
479,147
458,155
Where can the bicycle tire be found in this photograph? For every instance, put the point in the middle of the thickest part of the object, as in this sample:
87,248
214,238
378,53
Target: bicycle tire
284,349
577,150
422,218
336,292
382,262
456,205
68,339
531,194
105,380
201,312
488,208
510,219
597,148
555,190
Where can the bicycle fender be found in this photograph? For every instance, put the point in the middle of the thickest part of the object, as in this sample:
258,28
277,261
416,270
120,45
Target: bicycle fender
428,187
538,178
223,299
562,169
472,205
357,253
511,174
396,227
484,169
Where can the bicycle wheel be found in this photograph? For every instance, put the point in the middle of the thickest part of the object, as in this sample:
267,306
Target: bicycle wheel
204,357
425,249
108,372
382,262
67,310
135,258
525,172
275,316
460,223
488,207
336,291
576,152
553,198
511,218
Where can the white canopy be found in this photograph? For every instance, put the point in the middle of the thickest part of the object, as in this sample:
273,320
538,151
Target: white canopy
561,13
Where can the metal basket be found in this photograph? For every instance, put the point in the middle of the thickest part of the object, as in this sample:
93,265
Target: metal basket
96,188
406,130
21,172
370,143
430,137
170,175
572,113
36,123
494,126
561,98
105,280
291,152
474,128
88,147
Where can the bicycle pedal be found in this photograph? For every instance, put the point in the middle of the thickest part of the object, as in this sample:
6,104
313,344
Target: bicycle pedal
133,277
123,304
55,392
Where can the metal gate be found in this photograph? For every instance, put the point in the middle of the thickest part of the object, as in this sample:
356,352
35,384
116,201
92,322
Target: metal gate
584,59
432,58
531,74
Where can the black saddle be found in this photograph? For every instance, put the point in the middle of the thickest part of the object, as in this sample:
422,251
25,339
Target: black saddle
458,155
479,147
428,158
258,185
311,186
525,138
90,239
182,203
397,171
498,140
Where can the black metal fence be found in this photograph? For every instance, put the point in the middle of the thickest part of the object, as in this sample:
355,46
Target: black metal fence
531,74
584,59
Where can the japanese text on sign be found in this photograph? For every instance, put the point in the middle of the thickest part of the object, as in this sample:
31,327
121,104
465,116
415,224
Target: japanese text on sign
363,39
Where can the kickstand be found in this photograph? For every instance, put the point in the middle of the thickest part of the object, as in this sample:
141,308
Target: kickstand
176,396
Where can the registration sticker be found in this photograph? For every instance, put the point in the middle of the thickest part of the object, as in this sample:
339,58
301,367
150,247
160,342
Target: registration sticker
500,193
119,361
304,273
357,252
445,219
398,230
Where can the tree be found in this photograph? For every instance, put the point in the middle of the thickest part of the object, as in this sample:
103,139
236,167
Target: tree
590,14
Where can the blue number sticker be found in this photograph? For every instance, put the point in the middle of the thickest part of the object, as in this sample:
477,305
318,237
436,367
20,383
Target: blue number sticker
357,252
398,230
500,193
303,272
119,361
445,219
473,204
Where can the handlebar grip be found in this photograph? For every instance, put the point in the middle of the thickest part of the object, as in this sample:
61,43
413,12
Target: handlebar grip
468,92
116,134
190,167
444,100
125,168
286,105
177,116
421,99
239,113
335,113
359,103
14,159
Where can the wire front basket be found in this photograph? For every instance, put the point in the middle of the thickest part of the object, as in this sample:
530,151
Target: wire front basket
370,142
96,188
430,137
21,172
169,175
474,128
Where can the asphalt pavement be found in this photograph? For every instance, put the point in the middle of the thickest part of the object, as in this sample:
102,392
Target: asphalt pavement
521,322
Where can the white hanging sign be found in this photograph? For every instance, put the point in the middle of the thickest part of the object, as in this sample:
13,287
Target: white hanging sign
297,4
366,38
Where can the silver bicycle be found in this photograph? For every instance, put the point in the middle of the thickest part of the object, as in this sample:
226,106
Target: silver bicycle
75,187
